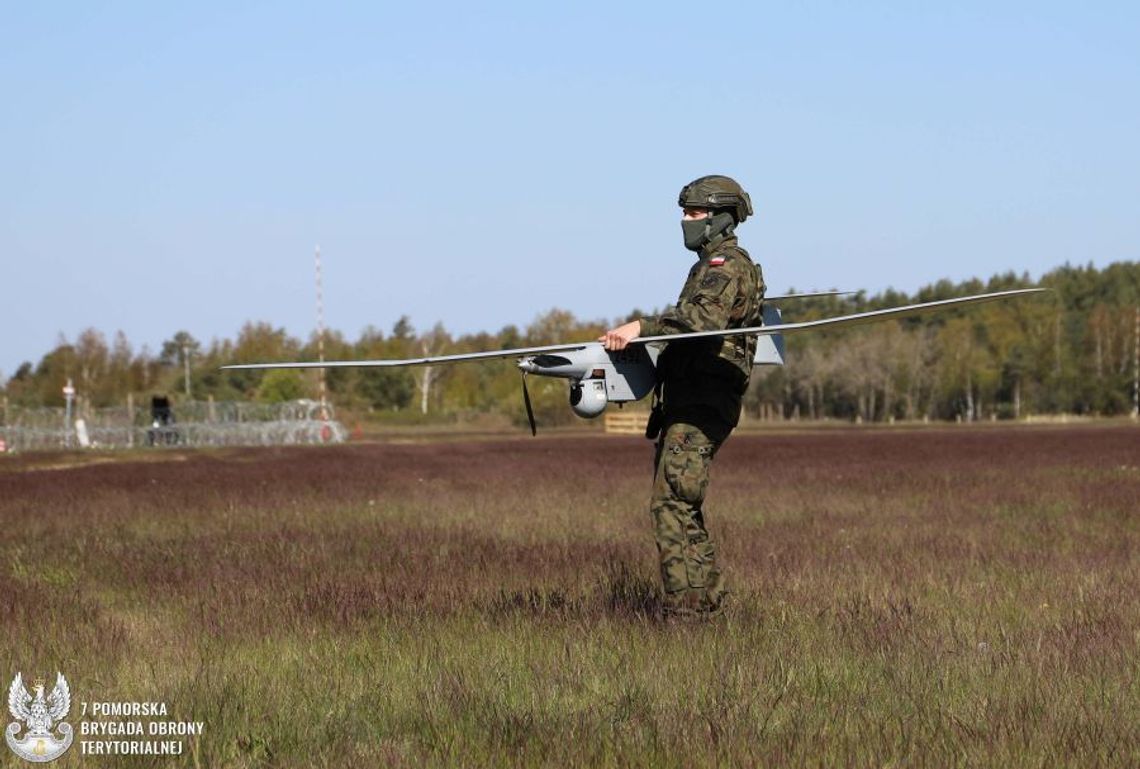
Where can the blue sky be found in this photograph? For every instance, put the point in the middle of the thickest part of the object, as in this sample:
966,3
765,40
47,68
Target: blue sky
172,166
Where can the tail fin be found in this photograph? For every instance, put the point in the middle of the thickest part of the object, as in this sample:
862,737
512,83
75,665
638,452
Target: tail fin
770,347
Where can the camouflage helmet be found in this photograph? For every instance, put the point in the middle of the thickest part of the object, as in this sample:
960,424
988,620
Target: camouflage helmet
716,193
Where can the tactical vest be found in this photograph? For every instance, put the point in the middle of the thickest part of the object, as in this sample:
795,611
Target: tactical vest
741,349
713,372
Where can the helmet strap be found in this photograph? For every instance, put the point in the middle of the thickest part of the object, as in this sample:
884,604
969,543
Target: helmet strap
716,238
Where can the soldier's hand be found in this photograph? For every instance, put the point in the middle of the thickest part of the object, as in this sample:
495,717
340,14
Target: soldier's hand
618,338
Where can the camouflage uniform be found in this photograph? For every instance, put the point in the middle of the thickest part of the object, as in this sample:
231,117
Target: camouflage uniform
703,383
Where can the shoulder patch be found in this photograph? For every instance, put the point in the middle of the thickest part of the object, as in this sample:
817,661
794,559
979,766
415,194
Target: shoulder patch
716,261
715,282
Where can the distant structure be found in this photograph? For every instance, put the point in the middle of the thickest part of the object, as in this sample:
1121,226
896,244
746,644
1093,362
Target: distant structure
321,397
199,423
162,431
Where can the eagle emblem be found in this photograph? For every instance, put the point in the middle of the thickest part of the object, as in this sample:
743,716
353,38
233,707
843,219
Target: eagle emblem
39,714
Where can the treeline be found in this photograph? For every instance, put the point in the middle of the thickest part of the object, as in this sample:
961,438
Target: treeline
1069,351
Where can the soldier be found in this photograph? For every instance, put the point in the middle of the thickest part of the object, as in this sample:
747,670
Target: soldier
701,383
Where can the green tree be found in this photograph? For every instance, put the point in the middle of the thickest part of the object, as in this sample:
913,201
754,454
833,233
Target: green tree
258,343
280,385
173,349
388,389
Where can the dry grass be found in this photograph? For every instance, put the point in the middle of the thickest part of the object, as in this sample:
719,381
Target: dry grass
928,598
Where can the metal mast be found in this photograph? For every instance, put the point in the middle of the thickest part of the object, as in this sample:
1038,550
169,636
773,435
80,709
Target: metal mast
321,338
186,368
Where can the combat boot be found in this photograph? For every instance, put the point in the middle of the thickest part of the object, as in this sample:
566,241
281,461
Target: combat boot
692,605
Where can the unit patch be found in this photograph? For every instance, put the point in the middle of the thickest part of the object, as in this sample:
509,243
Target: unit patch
715,282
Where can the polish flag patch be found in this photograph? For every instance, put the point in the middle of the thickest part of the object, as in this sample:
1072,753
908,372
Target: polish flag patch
716,261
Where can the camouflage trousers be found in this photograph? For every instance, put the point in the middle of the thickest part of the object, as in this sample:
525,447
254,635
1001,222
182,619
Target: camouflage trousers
689,574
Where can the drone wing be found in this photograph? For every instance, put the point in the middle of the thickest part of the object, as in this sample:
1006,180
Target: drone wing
806,295
59,701
18,699
518,352
783,328
858,318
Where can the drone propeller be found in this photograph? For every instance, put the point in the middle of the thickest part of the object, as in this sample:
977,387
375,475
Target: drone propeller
529,409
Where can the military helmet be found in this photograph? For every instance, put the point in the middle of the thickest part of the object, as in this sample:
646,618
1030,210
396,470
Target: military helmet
716,193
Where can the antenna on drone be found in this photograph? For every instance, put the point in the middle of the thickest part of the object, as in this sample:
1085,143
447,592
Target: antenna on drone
321,338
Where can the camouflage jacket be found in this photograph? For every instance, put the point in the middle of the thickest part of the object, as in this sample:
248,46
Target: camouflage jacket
725,289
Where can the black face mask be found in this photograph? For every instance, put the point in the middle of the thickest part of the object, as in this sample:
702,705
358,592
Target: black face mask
699,233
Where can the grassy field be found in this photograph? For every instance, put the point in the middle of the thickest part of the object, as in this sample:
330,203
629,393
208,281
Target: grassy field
942,597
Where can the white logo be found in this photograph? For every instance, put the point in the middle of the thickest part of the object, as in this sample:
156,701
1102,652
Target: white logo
39,714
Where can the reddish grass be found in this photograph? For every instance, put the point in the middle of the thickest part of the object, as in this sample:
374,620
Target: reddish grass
911,552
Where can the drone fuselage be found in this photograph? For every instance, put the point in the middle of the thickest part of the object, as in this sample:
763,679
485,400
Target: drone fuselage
599,376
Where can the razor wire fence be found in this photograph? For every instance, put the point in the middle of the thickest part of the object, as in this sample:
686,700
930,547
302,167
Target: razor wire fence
192,424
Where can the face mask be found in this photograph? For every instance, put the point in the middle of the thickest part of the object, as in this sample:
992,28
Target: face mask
694,232
700,232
